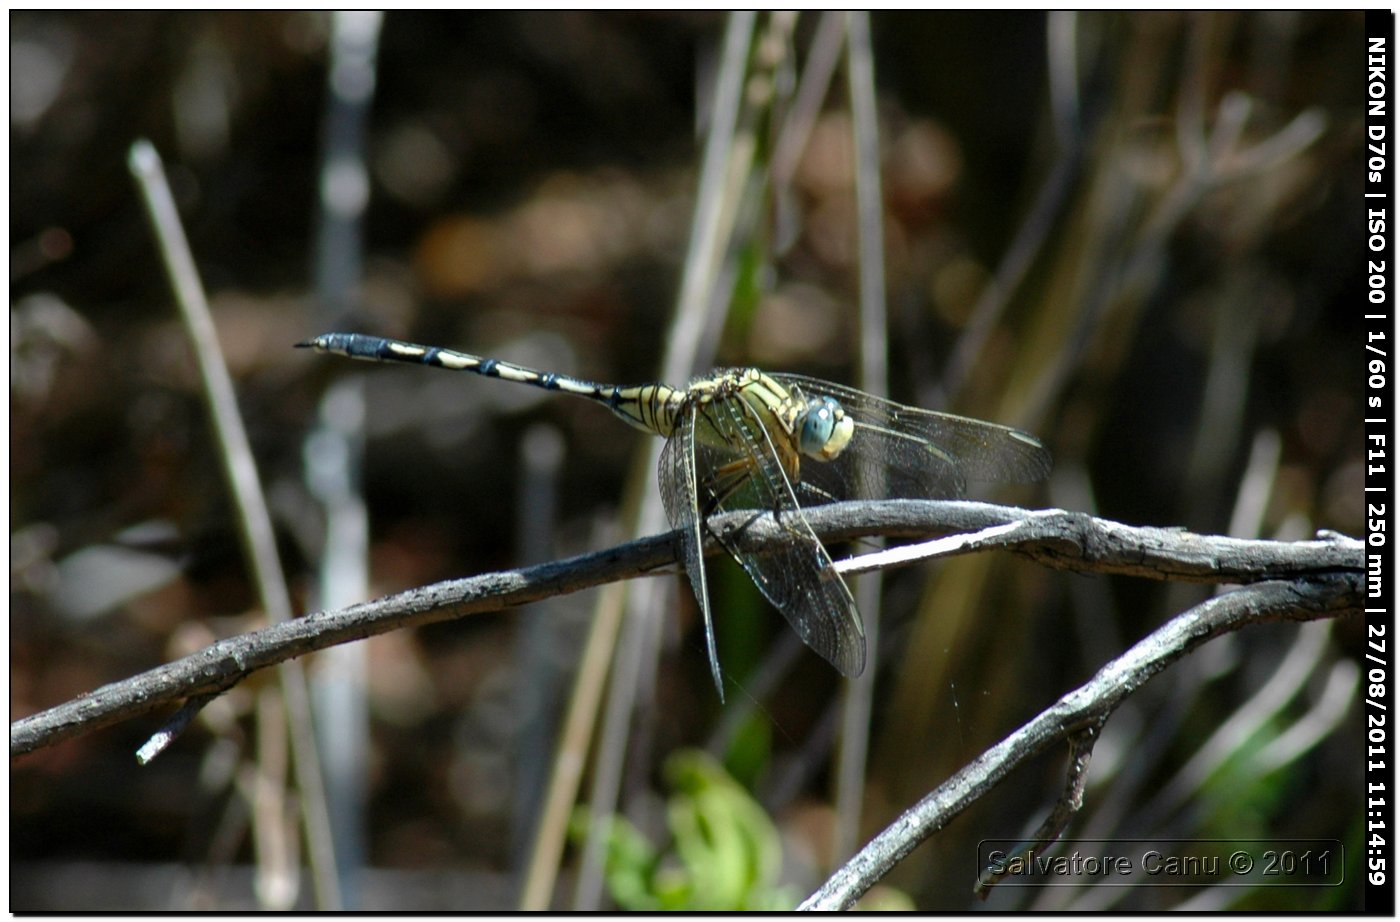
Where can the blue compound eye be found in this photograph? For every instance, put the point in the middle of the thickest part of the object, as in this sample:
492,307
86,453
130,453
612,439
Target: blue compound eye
819,423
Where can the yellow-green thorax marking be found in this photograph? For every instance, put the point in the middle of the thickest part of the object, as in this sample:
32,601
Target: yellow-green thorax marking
795,425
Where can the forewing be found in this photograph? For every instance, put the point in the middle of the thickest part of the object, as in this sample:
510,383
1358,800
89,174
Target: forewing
679,494
902,451
797,575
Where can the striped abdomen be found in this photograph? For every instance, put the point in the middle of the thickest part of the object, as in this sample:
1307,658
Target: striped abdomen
653,408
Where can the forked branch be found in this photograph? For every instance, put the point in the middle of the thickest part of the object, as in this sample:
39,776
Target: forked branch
1324,576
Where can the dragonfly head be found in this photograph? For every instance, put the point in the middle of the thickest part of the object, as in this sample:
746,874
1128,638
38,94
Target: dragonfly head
823,429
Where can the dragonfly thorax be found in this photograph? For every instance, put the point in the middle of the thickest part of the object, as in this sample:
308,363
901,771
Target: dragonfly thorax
823,429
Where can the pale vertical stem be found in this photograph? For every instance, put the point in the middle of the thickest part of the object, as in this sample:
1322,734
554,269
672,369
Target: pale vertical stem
727,160
566,770
333,452
539,636
254,521
874,359
822,57
710,228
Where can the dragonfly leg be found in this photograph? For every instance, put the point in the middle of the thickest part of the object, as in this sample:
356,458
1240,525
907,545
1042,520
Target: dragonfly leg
727,480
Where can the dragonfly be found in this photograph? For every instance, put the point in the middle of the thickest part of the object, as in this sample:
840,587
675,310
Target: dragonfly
743,439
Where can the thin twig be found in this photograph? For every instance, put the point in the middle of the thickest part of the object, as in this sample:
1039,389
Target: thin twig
1056,538
1071,800
167,734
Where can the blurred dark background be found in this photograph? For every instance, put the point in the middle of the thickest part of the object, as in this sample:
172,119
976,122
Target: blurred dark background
1183,339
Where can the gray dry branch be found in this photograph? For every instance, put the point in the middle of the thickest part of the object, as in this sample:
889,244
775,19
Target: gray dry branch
1085,709
1327,573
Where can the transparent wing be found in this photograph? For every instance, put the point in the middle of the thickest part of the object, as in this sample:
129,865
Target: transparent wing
899,451
739,469
679,494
